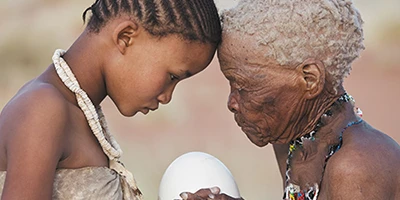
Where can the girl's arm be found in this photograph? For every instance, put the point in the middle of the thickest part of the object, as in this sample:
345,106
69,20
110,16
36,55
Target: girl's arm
33,125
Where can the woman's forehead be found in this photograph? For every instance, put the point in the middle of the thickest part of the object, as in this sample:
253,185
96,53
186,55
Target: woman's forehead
242,48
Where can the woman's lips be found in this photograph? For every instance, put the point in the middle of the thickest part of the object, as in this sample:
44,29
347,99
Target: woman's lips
250,130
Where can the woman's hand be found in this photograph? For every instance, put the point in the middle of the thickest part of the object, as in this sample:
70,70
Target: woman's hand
207,194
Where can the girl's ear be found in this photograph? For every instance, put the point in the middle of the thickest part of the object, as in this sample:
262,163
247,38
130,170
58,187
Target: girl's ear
124,35
313,77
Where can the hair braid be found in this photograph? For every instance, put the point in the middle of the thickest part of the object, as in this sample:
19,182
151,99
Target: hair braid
204,14
151,13
169,15
116,7
104,8
126,6
138,8
183,15
195,20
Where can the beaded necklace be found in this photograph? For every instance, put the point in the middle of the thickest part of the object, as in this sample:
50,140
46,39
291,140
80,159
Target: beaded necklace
293,191
97,123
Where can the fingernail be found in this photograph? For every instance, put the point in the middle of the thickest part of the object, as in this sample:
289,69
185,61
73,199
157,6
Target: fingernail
211,196
215,190
184,195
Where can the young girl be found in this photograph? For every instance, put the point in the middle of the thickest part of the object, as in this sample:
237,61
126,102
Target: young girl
54,141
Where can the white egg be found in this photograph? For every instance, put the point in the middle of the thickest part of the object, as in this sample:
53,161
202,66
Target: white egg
225,4
193,171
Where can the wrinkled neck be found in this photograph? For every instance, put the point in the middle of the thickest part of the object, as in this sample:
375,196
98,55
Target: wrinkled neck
308,159
314,110
329,129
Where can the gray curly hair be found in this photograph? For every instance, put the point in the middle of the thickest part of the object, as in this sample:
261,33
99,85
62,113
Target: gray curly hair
294,30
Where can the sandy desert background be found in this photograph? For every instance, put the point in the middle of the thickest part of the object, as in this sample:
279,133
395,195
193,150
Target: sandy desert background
197,118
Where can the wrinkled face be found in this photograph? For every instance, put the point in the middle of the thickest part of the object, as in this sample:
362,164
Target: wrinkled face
151,69
264,96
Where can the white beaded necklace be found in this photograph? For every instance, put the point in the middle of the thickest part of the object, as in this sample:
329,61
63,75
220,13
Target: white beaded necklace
96,121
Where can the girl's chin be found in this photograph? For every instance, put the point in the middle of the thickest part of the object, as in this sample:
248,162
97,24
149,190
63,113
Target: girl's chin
128,113
144,111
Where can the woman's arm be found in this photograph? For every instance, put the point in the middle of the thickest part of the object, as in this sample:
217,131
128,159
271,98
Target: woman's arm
33,126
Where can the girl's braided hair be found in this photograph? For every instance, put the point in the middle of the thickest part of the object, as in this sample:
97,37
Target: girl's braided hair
194,20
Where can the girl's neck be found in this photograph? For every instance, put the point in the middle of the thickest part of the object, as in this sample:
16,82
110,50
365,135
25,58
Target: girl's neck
85,60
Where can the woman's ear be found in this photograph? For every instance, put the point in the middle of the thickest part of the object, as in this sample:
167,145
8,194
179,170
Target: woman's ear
124,35
313,73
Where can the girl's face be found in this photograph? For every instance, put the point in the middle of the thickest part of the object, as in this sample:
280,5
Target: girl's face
150,69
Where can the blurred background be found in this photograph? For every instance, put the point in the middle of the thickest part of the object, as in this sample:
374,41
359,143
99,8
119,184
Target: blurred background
197,118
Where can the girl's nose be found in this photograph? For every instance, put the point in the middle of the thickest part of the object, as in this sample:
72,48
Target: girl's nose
166,96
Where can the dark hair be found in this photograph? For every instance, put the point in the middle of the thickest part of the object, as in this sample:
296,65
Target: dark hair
195,20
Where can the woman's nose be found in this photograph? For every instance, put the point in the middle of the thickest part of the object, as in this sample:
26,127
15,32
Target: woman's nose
233,104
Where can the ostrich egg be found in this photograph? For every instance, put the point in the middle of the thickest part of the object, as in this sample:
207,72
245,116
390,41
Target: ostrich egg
193,171
225,4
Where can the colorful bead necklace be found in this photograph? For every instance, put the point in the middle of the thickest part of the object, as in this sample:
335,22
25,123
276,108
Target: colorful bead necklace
293,191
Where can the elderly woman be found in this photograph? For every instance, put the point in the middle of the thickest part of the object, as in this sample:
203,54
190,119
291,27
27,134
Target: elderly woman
285,61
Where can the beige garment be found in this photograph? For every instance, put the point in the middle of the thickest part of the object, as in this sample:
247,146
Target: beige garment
87,183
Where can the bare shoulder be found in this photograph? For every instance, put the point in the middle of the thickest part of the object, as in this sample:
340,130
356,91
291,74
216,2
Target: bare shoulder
37,111
32,140
366,167
37,103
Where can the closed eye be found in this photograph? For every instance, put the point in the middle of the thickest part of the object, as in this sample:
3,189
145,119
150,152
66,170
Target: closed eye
237,86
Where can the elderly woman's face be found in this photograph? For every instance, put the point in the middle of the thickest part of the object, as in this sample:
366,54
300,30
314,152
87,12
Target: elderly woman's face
263,94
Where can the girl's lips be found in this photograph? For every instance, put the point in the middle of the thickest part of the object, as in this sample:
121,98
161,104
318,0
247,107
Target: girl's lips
153,109
145,111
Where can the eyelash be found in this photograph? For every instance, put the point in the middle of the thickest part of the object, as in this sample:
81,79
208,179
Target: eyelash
173,77
239,87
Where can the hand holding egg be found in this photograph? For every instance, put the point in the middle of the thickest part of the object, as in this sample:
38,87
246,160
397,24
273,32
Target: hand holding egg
198,176
207,194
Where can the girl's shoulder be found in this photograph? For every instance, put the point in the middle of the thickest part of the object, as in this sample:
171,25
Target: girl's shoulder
36,97
36,106
33,127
